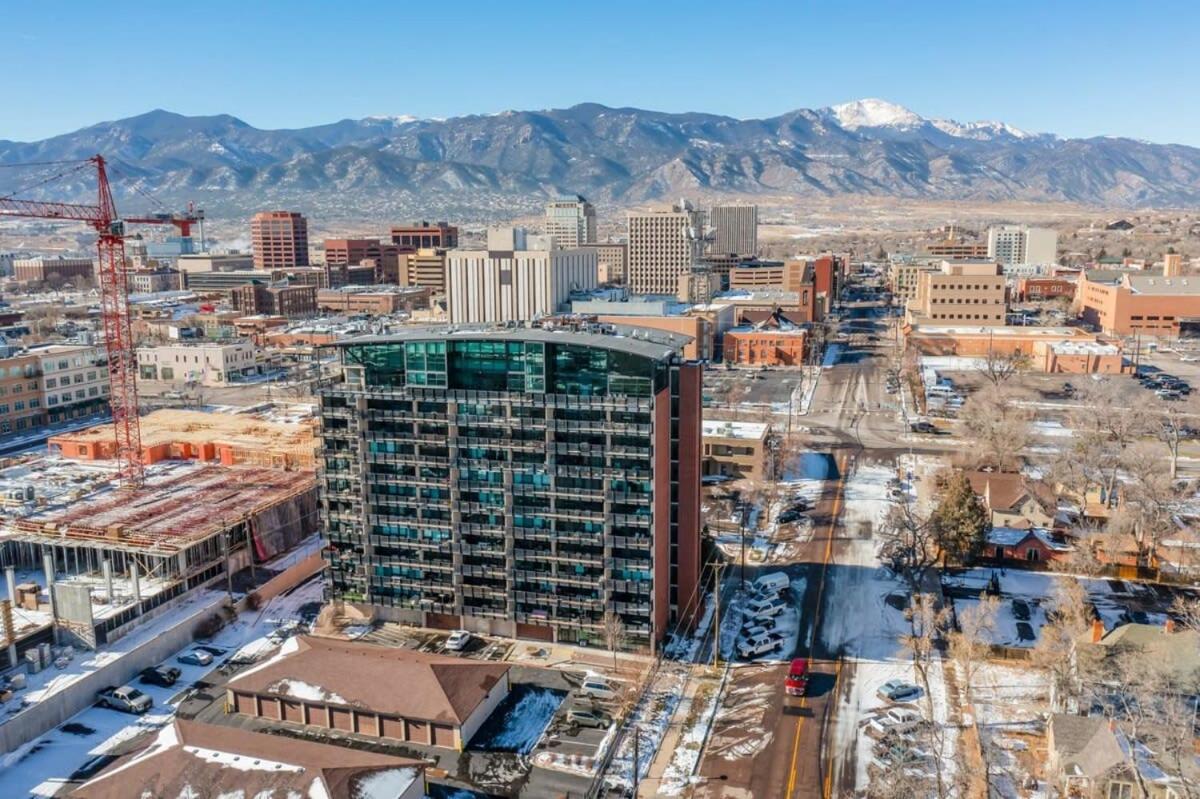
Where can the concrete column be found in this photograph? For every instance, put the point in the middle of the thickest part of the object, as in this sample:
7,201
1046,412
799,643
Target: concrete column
48,568
137,583
10,577
106,568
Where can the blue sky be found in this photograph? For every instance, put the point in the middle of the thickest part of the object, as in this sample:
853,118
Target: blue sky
1074,68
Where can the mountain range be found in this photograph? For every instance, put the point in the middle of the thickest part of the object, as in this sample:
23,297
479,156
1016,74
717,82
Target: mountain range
481,166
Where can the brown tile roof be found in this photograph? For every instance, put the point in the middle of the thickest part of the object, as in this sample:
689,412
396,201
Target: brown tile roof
399,682
1006,490
190,758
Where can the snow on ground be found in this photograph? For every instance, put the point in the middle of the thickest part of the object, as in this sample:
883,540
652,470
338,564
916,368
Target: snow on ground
1009,700
91,733
953,363
520,721
387,783
701,710
1049,428
650,718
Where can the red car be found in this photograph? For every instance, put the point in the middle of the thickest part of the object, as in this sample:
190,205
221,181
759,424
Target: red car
797,679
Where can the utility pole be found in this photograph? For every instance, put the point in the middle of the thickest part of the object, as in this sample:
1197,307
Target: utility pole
717,615
636,736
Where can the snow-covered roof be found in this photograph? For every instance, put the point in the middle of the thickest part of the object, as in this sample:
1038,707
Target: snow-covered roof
1012,536
747,430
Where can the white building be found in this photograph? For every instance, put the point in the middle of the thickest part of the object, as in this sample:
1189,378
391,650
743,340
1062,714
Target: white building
735,229
1017,245
512,285
571,221
200,363
74,380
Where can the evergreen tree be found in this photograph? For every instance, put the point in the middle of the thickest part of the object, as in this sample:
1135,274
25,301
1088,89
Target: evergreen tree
960,521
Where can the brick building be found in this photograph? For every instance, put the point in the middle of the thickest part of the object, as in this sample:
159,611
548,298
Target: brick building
280,239
281,299
1121,302
425,235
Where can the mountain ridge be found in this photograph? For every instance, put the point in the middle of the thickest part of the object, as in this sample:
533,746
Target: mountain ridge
481,164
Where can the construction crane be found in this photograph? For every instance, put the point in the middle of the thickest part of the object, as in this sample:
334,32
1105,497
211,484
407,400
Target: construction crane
114,297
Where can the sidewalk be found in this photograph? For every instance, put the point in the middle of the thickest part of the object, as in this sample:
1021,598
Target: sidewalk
650,783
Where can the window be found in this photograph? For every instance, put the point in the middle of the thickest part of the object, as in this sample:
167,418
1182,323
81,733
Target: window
51,382
1120,790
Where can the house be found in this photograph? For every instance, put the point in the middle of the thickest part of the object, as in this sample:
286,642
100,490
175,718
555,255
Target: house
1015,502
1088,757
189,758
1174,651
1024,546
378,691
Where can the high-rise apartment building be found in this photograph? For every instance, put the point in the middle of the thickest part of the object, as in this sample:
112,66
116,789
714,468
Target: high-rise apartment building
516,481
1020,245
280,239
571,221
425,235
735,229
514,285
662,247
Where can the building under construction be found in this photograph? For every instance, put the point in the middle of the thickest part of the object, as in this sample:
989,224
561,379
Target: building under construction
116,554
233,439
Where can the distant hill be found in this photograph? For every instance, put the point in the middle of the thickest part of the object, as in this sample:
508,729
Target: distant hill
477,166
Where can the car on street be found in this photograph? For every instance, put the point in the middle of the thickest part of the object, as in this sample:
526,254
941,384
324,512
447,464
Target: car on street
762,645
164,676
797,679
195,657
125,698
458,640
588,717
898,691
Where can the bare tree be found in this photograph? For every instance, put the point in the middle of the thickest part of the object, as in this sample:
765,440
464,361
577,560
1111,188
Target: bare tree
613,628
1056,650
1154,498
971,643
1175,419
998,426
927,623
908,545
999,368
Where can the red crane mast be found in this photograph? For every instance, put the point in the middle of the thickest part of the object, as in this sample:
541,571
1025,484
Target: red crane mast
114,299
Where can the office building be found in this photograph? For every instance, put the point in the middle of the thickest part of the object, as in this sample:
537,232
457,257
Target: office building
611,260
354,252
150,281
208,262
961,292
280,239
224,282
279,299
515,481
734,229
663,245
1124,302
208,364
904,274
571,221
1172,265
1020,245
47,270
425,235
425,267
514,285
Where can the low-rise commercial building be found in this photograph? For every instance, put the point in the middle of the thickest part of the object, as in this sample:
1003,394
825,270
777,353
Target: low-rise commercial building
1034,289
738,450
961,292
22,403
205,364
223,282
281,299
209,262
1047,349
74,380
384,692
904,274
374,300
49,270
1120,302
151,281
698,328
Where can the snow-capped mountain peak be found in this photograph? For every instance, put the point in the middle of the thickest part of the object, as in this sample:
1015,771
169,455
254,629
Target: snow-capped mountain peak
874,113
401,119
986,129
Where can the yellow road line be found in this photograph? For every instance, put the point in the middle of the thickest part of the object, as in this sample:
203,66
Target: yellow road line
833,516
826,792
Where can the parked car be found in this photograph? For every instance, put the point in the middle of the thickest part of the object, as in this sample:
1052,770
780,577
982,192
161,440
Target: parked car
767,606
458,640
923,427
164,676
195,657
760,646
772,583
797,679
754,630
897,719
898,691
125,698
766,624
588,717
789,516
596,688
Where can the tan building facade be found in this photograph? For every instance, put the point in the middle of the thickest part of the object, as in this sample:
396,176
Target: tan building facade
379,301
425,267
738,450
425,235
611,261
514,285
22,404
1128,303
961,292
659,249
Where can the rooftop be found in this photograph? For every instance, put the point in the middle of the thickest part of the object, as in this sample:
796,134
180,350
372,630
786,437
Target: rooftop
748,430
187,756
646,343
1157,284
401,682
